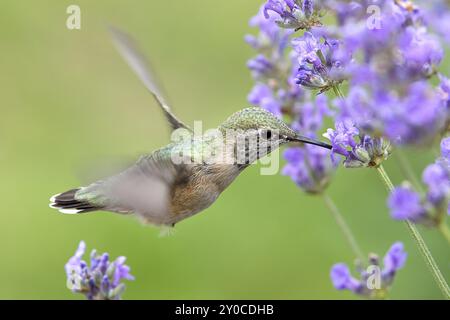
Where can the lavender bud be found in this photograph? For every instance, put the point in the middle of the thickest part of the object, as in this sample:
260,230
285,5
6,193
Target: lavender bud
369,283
374,259
291,14
94,281
308,8
358,149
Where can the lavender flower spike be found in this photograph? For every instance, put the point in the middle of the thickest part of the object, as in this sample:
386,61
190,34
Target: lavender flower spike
373,282
308,8
294,14
359,150
445,148
405,203
318,69
393,261
343,280
99,281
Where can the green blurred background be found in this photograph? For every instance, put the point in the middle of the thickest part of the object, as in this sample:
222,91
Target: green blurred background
69,100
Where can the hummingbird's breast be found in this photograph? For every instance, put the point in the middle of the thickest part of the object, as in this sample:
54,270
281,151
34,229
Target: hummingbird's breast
201,189
204,181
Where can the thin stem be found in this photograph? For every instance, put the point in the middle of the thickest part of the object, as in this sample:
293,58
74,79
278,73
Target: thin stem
343,226
387,181
337,91
437,274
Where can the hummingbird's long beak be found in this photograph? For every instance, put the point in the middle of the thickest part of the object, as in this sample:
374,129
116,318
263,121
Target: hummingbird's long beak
310,141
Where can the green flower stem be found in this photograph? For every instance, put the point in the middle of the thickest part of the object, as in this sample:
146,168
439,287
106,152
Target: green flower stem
338,91
343,226
437,274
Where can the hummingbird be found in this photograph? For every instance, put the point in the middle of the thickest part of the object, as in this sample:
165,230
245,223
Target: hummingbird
162,191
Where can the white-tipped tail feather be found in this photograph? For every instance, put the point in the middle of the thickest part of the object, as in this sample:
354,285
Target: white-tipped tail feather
66,203
67,211
52,199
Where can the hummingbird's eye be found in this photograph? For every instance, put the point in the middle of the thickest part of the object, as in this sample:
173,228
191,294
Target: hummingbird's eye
266,134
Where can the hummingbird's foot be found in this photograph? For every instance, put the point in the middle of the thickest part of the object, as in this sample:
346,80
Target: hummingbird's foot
167,230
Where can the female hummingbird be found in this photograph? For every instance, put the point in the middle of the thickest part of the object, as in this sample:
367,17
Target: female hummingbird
184,177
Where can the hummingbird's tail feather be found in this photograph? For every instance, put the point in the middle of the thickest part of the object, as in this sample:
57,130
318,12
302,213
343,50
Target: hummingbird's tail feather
66,203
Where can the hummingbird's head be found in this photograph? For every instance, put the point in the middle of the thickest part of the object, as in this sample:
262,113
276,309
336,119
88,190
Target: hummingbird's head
266,124
255,118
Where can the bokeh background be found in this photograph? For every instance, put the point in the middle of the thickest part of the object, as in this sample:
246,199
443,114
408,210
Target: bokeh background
68,101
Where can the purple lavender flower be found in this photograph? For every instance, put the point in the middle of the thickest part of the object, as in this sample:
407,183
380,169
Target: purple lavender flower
75,263
389,65
445,148
272,106
262,96
313,77
420,51
405,203
309,117
343,280
275,89
357,108
437,179
436,15
122,271
359,150
318,67
260,66
258,93
345,10
430,209
373,282
100,281
307,47
415,118
270,37
308,8
293,14
284,8
309,167
271,92
444,90
394,260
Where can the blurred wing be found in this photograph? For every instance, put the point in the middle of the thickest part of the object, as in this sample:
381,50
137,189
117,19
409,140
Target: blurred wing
102,167
145,188
129,50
